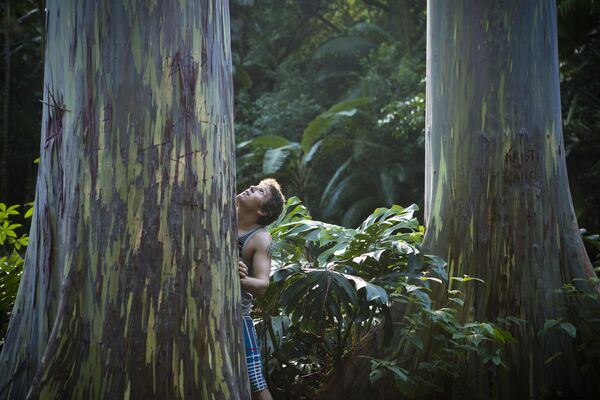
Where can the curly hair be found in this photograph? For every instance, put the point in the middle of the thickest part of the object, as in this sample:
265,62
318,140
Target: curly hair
274,205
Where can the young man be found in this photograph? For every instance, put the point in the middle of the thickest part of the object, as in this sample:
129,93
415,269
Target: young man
257,207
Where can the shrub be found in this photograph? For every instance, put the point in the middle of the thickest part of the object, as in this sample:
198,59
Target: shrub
331,285
12,247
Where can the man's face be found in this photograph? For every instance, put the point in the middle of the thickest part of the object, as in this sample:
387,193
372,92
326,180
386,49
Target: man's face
254,197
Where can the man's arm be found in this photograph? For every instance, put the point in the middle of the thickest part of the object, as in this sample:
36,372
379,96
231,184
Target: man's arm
260,248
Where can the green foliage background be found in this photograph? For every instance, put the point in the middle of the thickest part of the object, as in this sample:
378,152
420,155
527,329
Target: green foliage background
13,241
343,83
332,285
296,61
329,99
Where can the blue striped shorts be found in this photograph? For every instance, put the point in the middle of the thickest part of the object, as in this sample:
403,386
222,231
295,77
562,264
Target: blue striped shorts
253,359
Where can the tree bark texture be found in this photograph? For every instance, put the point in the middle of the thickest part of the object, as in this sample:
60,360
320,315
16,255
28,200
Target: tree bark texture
6,102
130,287
497,200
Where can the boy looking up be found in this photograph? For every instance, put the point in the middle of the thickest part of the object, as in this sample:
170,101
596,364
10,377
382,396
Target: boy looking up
257,207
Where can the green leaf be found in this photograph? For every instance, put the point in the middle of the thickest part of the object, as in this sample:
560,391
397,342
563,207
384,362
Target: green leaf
503,336
399,373
416,341
324,256
429,278
466,278
342,285
375,375
315,129
569,328
270,141
12,210
313,150
457,300
321,123
336,195
282,273
438,265
549,324
373,293
274,159
333,181
496,359
29,212
292,294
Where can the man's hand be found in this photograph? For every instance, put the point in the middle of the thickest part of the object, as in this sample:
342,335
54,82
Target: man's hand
243,269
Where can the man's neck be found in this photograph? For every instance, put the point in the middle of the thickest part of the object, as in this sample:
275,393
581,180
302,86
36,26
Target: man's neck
245,222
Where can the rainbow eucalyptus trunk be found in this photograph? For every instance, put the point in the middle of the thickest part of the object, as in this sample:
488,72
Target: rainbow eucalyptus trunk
130,288
497,198
5,107
497,201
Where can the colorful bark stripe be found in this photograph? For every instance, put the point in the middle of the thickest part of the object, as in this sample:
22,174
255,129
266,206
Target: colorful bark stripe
128,289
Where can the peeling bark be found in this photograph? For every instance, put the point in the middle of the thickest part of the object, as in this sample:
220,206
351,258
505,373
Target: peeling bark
497,200
130,288
6,100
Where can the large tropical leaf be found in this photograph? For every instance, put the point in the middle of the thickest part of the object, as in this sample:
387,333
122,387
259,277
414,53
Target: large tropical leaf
372,293
312,151
334,181
324,121
578,22
9,284
11,267
315,296
333,199
274,158
269,141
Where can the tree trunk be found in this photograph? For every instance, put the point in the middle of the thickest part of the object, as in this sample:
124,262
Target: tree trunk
497,200
130,288
5,109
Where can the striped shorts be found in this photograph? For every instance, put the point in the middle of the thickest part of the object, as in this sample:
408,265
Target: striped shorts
253,359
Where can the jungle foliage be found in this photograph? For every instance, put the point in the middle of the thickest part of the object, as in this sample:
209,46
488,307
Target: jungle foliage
333,284
13,242
331,102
